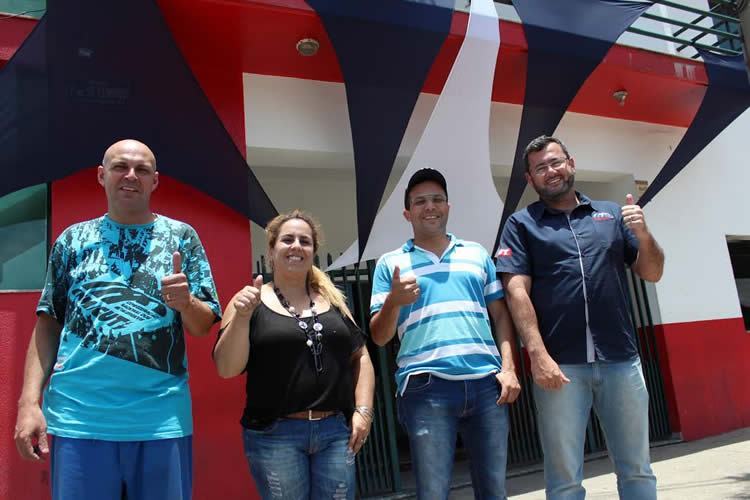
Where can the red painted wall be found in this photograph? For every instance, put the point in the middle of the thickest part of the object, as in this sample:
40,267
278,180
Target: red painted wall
18,478
220,469
705,375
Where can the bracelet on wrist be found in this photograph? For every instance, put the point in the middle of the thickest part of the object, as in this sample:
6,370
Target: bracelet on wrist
365,411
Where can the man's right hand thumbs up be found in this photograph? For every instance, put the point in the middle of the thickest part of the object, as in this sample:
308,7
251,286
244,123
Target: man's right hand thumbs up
404,291
246,300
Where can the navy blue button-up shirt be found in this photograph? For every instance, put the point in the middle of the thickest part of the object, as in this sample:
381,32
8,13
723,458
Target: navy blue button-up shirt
578,277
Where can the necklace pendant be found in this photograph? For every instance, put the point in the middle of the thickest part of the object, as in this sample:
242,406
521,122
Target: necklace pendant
318,327
291,309
302,324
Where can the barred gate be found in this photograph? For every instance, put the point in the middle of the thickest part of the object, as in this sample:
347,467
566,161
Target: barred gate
524,448
640,310
379,461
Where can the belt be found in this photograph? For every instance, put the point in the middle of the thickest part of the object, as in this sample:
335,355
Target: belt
311,414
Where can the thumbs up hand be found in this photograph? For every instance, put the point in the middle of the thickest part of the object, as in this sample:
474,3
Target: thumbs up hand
246,300
404,291
174,287
177,263
632,216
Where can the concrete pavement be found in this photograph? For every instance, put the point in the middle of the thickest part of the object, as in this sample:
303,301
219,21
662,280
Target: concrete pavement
715,468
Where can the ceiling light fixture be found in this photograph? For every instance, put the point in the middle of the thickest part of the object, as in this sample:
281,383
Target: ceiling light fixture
308,47
620,96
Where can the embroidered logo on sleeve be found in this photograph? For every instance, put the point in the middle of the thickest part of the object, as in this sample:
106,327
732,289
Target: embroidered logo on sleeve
504,252
602,216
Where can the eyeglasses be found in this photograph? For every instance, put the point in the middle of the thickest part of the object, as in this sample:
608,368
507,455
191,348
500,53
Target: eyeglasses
437,199
554,164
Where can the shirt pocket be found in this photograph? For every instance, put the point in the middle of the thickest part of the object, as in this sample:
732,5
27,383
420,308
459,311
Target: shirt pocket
607,232
554,254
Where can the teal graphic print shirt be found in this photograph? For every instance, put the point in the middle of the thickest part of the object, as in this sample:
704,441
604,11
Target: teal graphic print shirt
121,368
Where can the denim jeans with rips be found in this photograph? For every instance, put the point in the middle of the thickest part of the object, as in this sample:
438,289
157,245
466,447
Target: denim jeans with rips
302,459
433,410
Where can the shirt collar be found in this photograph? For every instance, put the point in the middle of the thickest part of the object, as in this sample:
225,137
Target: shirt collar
410,246
538,208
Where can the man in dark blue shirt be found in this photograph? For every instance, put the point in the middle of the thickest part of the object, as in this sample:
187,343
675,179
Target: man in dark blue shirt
562,261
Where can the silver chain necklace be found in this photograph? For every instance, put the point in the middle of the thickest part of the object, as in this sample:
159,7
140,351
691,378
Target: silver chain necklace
313,335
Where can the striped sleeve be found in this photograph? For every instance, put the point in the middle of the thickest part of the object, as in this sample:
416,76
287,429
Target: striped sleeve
493,288
381,285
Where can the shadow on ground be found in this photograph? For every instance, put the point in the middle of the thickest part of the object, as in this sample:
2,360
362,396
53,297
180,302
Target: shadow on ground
601,465
523,481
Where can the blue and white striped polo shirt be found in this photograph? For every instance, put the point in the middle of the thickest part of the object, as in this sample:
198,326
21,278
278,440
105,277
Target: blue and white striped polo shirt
447,331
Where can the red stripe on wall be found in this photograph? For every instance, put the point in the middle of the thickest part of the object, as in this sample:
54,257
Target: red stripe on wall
14,31
223,39
260,37
705,375
18,478
217,403
220,469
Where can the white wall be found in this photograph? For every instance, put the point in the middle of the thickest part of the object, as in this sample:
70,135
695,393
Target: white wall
691,217
292,122
329,194
299,145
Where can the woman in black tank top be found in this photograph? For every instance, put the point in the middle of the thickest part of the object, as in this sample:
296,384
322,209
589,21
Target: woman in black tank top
309,379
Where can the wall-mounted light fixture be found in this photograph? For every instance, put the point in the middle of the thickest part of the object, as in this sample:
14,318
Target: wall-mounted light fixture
308,47
620,96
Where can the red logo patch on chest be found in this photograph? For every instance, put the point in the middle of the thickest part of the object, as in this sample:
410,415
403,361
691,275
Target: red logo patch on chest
602,216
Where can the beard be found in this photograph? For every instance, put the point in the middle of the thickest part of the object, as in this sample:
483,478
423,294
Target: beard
553,194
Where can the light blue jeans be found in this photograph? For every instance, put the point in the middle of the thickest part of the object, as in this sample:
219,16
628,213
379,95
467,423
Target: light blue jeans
620,399
432,411
300,459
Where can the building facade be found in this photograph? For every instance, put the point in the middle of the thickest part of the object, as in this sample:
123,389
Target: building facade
289,115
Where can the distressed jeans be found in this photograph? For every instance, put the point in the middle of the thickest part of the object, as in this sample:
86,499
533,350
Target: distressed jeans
300,459
432,410
618,394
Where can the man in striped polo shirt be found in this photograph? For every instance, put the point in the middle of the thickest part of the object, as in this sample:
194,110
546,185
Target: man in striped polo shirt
441,294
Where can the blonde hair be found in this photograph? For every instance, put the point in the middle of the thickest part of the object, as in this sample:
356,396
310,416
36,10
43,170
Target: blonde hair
318,280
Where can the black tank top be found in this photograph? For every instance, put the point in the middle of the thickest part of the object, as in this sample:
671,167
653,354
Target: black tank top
281,374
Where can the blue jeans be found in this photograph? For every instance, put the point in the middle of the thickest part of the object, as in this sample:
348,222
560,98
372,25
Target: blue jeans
91,469
432,410
300,459
619,397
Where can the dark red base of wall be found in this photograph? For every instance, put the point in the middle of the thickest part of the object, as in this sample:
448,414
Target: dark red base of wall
18,478
220,469
705,375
